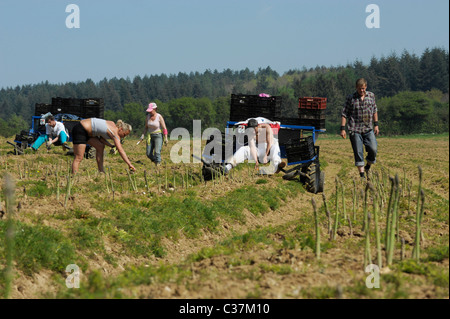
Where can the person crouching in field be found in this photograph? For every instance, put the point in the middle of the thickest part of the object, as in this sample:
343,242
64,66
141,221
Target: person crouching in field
54,131
96,132
262,147
361,115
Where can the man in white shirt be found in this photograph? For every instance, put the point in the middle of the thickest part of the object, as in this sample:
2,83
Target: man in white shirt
54,131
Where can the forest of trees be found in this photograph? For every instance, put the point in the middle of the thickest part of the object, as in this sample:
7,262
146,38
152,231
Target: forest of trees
412,94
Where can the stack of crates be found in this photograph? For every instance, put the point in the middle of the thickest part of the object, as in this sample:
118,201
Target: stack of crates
301,149
42,108
66,106
311,111
286,134
93,107
84,108
244,106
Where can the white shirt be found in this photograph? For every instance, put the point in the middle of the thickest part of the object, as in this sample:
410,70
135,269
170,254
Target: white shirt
55,131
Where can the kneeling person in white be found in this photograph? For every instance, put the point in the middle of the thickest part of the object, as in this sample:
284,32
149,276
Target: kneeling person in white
54,131
262,147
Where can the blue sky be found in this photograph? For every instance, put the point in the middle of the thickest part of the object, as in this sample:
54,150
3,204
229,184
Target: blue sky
119,38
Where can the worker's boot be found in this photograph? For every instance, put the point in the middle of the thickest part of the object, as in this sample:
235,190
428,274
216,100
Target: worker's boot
66,147
280,167
367,170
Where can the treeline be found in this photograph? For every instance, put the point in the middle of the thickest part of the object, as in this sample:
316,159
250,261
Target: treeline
410,89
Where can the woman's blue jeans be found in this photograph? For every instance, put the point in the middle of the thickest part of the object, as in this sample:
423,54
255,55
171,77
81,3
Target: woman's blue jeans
154,148
358,142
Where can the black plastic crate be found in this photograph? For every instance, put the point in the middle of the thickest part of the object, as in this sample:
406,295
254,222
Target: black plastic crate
84,108
93,102
246,112
66,109
73,102
244,106
317,124
285,135
59,101
254,110
255,100
41,108
300,149
93,111
312,114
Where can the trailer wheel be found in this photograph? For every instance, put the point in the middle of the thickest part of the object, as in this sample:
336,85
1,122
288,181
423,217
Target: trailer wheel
89,153
314,178
321,181
20,148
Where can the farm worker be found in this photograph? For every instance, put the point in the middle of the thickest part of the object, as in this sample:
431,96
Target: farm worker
262,147
96,132
155,128
54,131
361,116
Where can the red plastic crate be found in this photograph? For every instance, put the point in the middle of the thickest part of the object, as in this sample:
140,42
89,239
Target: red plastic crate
312,103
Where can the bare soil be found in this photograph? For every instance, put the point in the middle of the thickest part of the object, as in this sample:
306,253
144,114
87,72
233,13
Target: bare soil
340,269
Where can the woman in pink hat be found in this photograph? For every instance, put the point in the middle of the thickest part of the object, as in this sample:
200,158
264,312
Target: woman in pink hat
155,128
